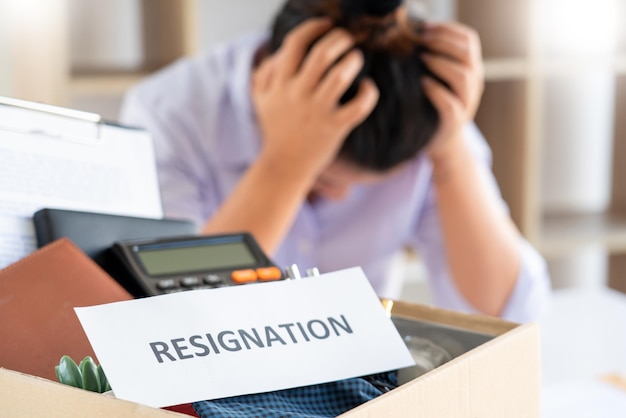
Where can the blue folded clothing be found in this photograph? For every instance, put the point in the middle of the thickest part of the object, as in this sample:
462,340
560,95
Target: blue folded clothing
315,401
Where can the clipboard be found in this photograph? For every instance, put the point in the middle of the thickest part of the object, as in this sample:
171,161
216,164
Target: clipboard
63,158
51,120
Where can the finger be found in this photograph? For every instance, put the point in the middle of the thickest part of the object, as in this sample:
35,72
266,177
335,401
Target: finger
359,108
448,29
295,45
458,51
262,76
455,75
339,78
456,41
446,103
323,55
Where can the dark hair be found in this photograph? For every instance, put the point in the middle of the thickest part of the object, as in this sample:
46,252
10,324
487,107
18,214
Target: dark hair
404,120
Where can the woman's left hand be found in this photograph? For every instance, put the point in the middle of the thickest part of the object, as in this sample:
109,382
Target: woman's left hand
454,55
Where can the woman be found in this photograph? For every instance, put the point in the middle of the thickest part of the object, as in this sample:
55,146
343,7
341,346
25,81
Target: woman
343,137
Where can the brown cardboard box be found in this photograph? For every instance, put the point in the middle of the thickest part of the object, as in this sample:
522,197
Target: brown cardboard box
499,378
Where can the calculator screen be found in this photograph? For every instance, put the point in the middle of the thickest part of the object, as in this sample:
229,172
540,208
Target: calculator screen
187,259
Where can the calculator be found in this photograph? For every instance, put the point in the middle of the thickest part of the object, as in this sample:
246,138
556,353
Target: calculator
169,265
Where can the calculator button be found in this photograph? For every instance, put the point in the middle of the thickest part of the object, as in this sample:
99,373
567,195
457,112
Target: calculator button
269,273
190,281
166,284
212,279
244,276
201,287
217,285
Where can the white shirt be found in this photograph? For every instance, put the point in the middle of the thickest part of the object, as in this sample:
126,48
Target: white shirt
200,115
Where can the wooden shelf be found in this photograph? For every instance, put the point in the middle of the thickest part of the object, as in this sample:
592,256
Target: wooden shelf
564,233
520,68
103,84
501,118
501,25
580,65
506,69
495,70
169,31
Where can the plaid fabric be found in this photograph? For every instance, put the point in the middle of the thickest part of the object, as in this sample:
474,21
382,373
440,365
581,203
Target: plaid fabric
316,401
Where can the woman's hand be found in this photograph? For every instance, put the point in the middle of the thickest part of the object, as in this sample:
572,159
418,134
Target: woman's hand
481,243
296,96
455,57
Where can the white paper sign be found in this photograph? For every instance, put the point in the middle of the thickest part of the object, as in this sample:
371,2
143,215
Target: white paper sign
208,344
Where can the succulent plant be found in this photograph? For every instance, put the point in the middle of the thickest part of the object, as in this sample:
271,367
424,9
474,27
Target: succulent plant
86,375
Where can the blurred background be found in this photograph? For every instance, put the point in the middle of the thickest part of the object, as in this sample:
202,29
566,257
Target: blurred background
553,111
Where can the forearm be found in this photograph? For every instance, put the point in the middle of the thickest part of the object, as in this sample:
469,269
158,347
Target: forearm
264,203
481,242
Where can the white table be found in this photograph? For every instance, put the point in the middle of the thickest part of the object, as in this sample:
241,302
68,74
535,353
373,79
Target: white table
583,339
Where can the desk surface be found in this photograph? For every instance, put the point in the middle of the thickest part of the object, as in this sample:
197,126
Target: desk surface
584,339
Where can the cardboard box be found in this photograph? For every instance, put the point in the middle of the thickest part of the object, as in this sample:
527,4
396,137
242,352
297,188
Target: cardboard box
498,378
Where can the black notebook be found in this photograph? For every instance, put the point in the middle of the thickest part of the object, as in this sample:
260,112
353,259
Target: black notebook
95,233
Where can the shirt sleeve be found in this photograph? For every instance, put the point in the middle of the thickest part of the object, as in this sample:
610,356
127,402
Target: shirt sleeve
530,296
184,180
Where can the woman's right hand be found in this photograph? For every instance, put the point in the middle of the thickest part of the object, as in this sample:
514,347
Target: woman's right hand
296,97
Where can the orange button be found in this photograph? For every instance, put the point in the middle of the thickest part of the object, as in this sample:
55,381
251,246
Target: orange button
244,276
269,273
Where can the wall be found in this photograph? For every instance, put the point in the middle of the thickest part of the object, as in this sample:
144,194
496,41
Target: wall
579,114
5,52
105,34
222,20
108,35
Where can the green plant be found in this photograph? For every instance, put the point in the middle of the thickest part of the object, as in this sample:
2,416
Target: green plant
86,375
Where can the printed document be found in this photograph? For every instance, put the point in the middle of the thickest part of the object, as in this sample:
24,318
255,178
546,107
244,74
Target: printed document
58,161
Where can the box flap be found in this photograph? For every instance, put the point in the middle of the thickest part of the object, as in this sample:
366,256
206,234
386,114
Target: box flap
501,378
471,322
28,396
